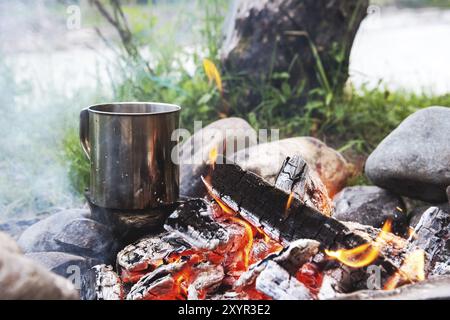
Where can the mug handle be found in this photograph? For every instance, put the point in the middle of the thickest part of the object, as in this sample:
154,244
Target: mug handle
84,132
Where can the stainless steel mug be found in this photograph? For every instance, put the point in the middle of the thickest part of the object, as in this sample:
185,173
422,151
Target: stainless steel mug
129,146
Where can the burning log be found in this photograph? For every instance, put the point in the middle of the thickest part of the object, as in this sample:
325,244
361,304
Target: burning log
265,206
297,178
432,234
108,285
193,222
147,254
275,282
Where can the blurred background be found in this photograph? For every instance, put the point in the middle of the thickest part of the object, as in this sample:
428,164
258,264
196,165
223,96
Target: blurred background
57,57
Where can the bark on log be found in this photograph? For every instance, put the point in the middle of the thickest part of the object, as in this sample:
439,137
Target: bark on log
263,37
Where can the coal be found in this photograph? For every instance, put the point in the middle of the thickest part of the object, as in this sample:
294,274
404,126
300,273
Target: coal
208,278
149,251
193,222
157,283
277,283
108,285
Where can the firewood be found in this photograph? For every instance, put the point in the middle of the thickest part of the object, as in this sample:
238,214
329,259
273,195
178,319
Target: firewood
149,251
275,282
193,222
432,234
296,177
156,283
265,206
108,285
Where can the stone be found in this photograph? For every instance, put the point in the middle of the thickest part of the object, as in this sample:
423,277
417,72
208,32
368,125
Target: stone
23,278
222,137
414,159
15,228
266,160
370,205
63,264
70,232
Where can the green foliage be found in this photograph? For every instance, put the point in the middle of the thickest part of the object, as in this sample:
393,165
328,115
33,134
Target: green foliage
78,166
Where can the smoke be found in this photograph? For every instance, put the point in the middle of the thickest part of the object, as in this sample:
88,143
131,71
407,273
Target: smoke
47,74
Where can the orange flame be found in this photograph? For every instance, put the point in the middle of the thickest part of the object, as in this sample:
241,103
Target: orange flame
213,157
213,73
364,254
412,270
249,234
222,205
289,202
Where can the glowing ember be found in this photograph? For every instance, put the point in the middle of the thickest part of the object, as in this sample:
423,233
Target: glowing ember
364,254
310,275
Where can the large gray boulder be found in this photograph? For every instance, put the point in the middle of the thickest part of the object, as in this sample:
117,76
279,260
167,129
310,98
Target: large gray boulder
71,232
224,136
370,205
414,159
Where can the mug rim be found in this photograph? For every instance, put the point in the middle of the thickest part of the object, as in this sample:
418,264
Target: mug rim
172,108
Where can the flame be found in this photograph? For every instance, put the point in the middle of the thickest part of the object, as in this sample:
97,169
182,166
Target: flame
249,234
213,157
213,73
222,205
364,254
412,270
411,234
289,202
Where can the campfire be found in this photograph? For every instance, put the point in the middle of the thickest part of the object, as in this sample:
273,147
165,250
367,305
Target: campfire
249,239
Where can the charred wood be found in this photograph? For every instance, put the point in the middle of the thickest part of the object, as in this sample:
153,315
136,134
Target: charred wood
296,177
193,222
108,285
265,206
157,283
432,234
149,252
275,282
